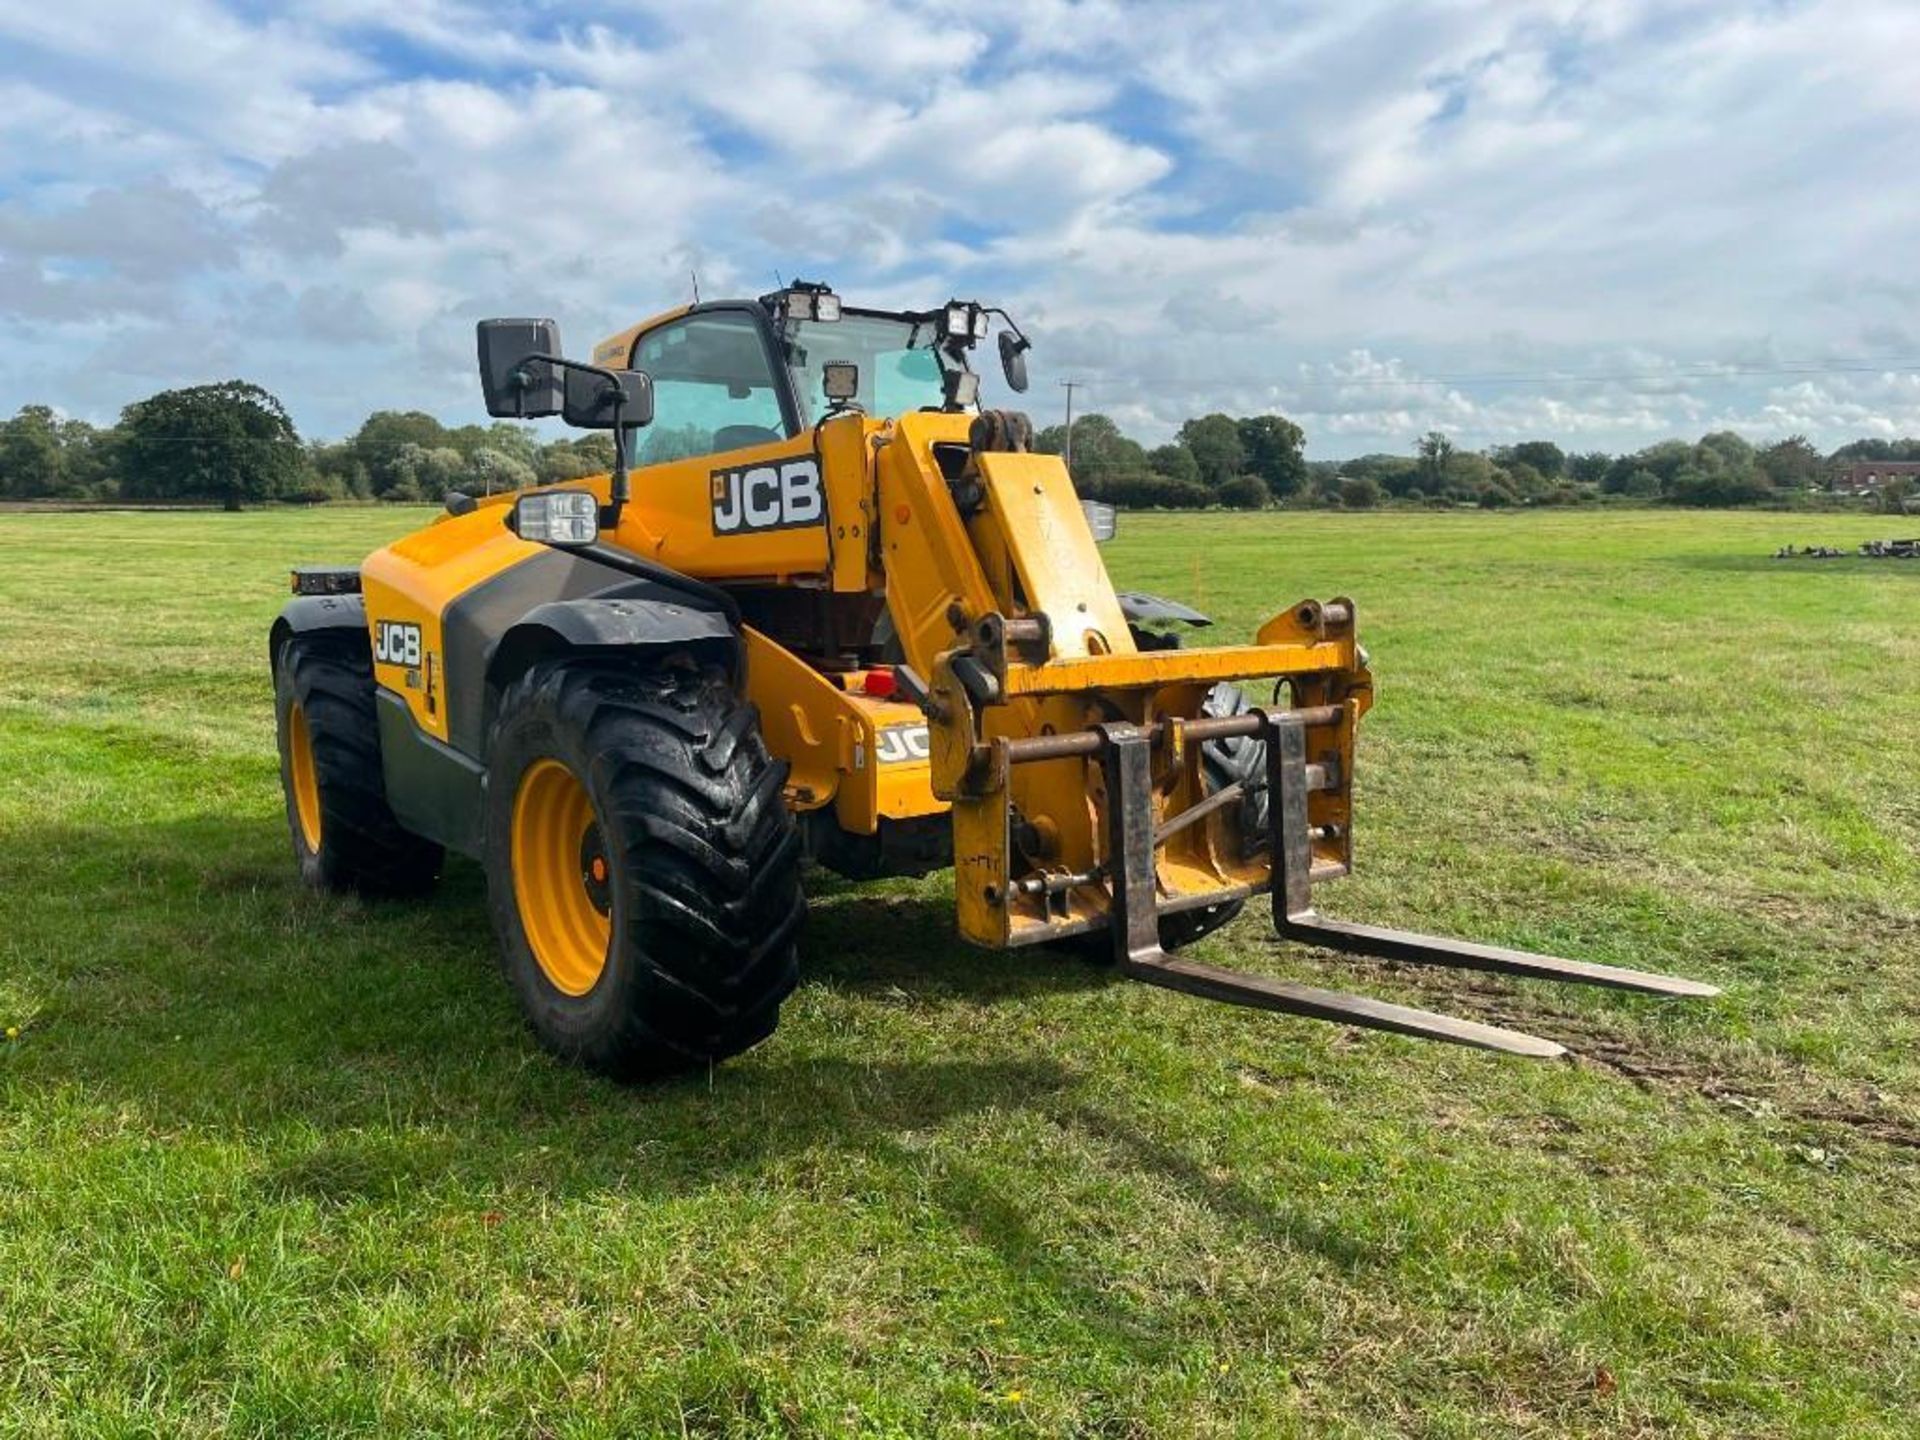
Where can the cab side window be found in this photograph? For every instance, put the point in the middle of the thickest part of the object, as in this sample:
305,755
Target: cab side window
713,388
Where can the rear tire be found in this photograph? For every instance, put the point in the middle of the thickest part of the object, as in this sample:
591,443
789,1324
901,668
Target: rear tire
643,870
345,836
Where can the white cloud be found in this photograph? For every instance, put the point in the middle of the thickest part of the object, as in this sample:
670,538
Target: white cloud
1541,216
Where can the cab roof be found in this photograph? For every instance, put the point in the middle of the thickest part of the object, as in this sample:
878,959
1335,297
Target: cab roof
613,351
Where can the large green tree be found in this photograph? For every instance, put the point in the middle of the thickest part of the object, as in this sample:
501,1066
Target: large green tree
1275,449
1215,443
378,444
30,467
1907,449
1176,462
1101,454
1543,455
1792,464
1435,461
1725,451
1664,461
230,442
1523,480
1589,468
88,459
562,460
1395,474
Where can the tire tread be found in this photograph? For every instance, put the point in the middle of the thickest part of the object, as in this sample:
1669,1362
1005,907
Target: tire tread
364,849
709,860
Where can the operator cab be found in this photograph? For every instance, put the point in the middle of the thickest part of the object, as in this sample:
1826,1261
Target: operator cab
733,374
716,403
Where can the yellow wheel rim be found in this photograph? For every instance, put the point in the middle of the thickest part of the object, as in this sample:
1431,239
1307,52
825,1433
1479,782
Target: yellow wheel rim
561,879
306,783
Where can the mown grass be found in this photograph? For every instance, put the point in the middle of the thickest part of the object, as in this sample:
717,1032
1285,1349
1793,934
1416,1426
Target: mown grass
275,1163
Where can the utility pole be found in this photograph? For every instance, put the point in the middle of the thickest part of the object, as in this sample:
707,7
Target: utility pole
1067,449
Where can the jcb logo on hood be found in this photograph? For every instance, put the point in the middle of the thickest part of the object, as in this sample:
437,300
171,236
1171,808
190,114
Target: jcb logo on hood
900,743
779,495
396,643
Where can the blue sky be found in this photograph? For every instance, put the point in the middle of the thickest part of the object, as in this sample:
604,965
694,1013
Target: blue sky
1601,221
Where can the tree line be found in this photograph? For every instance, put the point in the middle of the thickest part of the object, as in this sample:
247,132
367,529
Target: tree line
1720,469
233,443
1254,461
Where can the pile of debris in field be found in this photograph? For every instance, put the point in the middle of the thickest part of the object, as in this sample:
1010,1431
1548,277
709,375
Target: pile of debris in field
1872,550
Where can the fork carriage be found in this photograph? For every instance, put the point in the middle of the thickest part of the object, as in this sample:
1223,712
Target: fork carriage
1160,843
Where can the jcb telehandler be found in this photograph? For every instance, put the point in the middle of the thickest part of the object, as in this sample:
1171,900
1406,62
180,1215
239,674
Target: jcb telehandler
837,611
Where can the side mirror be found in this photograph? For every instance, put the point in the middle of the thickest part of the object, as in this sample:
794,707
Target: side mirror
515,382
1013,360
590,399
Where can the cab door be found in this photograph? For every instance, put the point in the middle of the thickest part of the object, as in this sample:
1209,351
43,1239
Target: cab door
727,484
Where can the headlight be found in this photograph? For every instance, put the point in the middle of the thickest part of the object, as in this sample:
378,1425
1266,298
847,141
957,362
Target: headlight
558,517
959,322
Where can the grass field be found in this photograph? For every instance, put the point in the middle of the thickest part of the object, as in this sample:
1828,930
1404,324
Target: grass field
273,1163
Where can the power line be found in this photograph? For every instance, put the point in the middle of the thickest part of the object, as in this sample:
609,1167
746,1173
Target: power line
1066,456
1699,372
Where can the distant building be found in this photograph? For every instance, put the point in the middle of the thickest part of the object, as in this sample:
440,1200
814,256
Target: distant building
1865,477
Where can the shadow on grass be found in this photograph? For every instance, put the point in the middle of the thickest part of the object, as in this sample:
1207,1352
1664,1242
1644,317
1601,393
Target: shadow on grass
906,943
370,1055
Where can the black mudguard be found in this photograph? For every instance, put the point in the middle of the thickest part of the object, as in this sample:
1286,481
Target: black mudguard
308,613
438,790
603,623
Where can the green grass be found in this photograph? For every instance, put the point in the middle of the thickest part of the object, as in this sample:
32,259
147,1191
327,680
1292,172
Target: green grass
276,1163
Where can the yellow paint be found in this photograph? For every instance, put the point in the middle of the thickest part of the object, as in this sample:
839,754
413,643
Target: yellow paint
831,741
414,579
306,782
569,937
1053,552
616,351
846,473
1168,667
930,563
671,520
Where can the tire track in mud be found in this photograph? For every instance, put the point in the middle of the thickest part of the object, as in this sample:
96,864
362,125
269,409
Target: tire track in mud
1783,1091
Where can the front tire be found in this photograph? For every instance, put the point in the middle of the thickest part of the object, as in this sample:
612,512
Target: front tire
643,871
345,836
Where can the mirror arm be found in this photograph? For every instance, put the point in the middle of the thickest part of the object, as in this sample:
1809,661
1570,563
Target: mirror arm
1018,333
619,490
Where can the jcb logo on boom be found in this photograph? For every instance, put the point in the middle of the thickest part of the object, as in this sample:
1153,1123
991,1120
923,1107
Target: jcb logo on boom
781,495
397,643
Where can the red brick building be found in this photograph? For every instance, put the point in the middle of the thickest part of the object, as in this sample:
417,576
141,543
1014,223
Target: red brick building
1865,477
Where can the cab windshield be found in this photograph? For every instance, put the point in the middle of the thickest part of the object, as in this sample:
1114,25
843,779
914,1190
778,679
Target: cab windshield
899,371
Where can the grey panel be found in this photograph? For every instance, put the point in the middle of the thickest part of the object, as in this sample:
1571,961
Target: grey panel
1143,609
